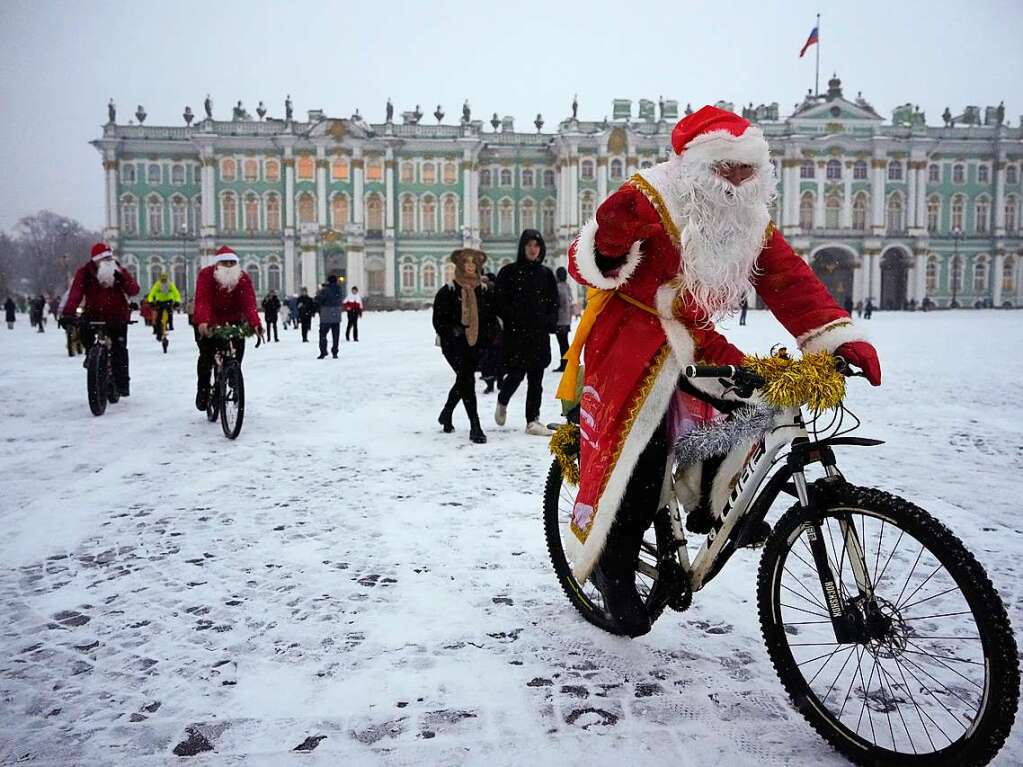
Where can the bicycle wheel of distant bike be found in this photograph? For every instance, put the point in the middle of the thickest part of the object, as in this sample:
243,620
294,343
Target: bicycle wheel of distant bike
927,671
97,379
213,401
232,399
558,502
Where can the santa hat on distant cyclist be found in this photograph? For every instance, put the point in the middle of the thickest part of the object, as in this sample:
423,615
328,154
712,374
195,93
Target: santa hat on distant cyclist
100,251
225,254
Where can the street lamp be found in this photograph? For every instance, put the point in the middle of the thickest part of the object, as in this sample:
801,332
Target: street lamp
957,234
183,234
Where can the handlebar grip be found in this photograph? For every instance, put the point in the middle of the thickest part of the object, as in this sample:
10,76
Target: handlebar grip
709,371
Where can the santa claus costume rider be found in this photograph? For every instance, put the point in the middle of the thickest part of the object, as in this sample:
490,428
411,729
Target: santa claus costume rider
676,248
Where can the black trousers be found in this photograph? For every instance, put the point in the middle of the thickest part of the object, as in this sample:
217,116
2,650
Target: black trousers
335,332
271,324
464,388
562,336
118,335
352,326
742,316
207,350
306,322
534,389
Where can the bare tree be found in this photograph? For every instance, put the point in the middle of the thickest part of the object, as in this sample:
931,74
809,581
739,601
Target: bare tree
49,248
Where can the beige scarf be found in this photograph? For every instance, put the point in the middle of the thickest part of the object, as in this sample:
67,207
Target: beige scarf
468,283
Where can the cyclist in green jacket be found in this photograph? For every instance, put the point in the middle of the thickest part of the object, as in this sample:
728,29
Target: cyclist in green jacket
164,292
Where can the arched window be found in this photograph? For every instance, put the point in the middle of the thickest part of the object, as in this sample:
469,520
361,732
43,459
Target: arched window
374,214
1011,175
250,170
155,271
617,169
251,212
429,173
980,275
934,173
408,214
449,271
586,206
228,169
306,208
376,276
834,170
527,177
339,212
154,221
1011,217
272,170
548,179
806,169
408,277
506,217
339,169
933,213
253,271
983,174
273,213
178,175
859,211
129,215
429,218
486,218
860,170
528,214
586,170
958,173
806,204
957,273
896,220
485,177
958,205
1009,275
179,275
450,173
430,276
450,214
982,215
407,172
228,212
895,171
153,174
305,167
506,177
179,216
832,210
374,169
931,275
131,266
128,173
547,215
273,277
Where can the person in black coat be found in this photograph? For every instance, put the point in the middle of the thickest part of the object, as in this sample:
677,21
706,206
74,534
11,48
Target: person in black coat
306,311
491,364
465,321
271,308
9,315
527,303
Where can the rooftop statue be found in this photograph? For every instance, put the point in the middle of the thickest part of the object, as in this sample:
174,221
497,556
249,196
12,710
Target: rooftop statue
111,112
288,110
188,116
140,114
466,113
538,122
389,111
208,106
575,107
261,110
439,114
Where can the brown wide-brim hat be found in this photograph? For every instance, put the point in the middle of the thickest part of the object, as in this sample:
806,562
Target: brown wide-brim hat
458,256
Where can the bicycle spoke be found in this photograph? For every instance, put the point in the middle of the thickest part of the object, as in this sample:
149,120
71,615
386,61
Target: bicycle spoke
919,711
908,577
865,707
822,655
891,691
801,610
891,701
806,589
933,596
917,589
848,692
939,615
877,558
944,689
840,671
931,693
884,569
919,651
947,657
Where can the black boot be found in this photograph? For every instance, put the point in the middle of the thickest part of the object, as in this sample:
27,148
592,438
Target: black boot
476,432
444,419
621,600
202,398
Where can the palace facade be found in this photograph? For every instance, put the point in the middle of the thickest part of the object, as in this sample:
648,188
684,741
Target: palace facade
892,210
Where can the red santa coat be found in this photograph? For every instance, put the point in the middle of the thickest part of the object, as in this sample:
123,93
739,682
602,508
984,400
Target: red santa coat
108,304
646,334
216,305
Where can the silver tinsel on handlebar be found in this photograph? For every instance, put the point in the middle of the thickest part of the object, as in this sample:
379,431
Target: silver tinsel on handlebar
719,437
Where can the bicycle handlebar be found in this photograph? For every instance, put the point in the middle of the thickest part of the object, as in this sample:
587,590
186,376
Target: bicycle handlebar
710,371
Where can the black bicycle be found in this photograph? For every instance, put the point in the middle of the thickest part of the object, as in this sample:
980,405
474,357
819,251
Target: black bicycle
161,321
227,397
884,629
101,384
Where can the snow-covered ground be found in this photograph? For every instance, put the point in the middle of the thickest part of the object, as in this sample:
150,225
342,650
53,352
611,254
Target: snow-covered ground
346,572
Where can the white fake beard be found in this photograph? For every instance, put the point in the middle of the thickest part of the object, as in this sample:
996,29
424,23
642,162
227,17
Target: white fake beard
723,234
106,270
227,276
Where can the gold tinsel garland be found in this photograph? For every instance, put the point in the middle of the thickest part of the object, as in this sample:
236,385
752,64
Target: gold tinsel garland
564,447
811,380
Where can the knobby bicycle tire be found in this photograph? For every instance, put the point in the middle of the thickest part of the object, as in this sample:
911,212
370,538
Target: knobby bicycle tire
232,390
96,379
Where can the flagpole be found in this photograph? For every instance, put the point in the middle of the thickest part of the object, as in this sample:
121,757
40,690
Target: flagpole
817,73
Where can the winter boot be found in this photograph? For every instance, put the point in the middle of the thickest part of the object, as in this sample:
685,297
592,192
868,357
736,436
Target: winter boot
621,600
500,414
476,432
444,419
537,429
202,398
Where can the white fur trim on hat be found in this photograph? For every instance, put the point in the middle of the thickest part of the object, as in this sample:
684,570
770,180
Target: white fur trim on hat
585,254
830,336
721,146
105,254
220,258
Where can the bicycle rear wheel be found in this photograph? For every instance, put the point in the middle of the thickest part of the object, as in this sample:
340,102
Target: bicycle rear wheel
927,671
97,379
213,400
232,399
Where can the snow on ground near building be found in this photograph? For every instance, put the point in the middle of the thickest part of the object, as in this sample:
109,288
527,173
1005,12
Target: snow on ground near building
345,571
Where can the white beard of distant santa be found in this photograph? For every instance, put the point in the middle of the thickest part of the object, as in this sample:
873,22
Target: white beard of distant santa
227,276
106,271
723,234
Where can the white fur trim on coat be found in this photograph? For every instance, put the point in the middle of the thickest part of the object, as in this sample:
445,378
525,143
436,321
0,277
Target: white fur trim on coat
830,336
721,146
586,259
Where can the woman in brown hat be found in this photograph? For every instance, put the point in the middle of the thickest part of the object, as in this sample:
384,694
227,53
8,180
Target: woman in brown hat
465,321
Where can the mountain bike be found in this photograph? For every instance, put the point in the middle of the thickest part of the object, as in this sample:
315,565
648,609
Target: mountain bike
227,397
883,628
101,385
161,321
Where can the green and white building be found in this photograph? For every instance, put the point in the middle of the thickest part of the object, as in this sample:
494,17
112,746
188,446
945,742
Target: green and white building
894,210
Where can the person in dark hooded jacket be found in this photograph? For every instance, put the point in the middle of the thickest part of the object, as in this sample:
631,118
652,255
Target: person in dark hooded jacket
527,303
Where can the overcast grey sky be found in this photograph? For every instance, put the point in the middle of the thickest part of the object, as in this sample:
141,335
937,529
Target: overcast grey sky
61,61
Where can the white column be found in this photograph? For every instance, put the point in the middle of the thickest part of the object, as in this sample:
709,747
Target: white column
877,179
390,265
996,279
467,191
921,198
289,191
356,271
911,195
474,200
819,219
110,164
846,219
875,278
289,267
209,197
790,195
999,200
309,268
321,185
919,276
358,186
859,279
601,175
573,195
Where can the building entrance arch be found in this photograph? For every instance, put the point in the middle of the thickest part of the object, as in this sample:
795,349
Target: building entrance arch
335,261
895,264
834,267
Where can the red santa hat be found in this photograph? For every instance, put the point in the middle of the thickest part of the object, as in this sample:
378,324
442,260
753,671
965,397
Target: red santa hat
225,254
714,135
100,251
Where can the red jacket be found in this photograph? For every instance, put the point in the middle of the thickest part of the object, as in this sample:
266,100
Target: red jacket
215,305
101,303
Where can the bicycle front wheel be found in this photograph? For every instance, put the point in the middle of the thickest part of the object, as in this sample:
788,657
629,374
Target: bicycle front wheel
921,668
97,379
232,399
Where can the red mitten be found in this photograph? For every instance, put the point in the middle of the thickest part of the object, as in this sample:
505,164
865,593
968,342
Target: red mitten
864,356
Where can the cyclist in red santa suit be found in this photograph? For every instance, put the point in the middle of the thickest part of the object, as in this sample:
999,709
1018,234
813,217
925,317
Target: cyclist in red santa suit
223,296
677,247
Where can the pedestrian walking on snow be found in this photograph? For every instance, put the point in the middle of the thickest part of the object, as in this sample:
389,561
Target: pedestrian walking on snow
271,308
743,308
329,301
566,308
10,312
868,309
37,313
306,308
353,309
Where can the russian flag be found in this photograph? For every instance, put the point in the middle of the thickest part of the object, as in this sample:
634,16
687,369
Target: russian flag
811,40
